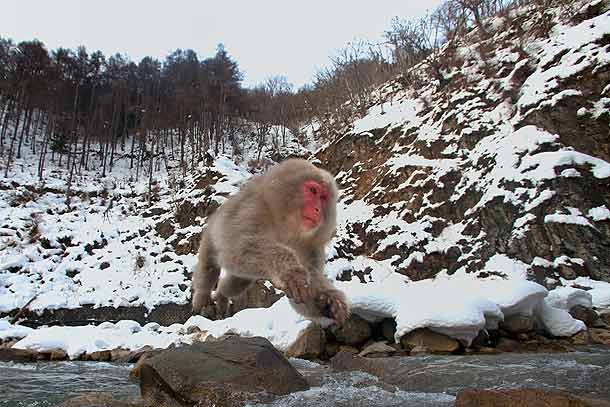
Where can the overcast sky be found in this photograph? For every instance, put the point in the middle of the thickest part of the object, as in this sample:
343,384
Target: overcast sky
266,37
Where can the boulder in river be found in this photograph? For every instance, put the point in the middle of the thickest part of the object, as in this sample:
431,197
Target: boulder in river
226,372
522,398
309,345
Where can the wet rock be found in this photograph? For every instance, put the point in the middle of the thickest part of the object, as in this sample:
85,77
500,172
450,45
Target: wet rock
99,400
600,336
17,355
134,374
425,340
223,372
100,356
522,398
354,331
135,355
347,348
581,338
605,316
120,355
482,340
388,329
351,362
509,345
586,315
519,324
309,345
58,354
377,349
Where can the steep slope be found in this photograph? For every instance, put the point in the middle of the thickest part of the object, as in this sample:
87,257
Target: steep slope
502,167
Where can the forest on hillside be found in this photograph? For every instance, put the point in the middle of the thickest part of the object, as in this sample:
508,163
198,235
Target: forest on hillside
83,103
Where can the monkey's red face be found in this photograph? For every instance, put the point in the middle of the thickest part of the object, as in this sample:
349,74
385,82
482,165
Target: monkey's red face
315,201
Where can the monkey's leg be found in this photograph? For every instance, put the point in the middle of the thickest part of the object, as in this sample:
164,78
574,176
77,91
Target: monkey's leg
230,287
205,275
274,262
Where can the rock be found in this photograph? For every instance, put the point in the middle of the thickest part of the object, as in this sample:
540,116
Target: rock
354,331
425,340
223,372
351,362
581,338
509,345
350,349
376,348
134,374
309,345
135,355
120,355
605,316
100,356
523,398
482,340
99,400
388,329
600,336
332,348
8,344
17,355
58,354
586,315
519,324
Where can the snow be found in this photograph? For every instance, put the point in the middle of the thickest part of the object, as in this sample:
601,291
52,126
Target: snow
600,291
9,331
599,213
567,297
574,217
87,339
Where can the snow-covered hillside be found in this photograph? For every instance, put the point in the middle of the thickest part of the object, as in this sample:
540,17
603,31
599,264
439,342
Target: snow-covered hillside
509,158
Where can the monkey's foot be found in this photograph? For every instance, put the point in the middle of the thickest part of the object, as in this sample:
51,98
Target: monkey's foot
201,300
297,286
334,305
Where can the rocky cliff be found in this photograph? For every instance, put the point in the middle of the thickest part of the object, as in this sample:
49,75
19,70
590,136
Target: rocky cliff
501,162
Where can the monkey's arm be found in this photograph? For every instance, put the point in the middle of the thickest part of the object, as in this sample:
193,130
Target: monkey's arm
330,301
264,259
205,275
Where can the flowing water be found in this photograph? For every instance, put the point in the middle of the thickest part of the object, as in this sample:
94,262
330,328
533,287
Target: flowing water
48,383
427,380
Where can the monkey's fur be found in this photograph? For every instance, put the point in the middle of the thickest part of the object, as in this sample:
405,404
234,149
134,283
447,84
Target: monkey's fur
259,233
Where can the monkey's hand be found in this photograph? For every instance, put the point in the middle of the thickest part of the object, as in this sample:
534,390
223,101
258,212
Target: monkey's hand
334,305
296,284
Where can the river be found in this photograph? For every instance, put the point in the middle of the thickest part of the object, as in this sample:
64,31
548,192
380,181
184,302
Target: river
429,380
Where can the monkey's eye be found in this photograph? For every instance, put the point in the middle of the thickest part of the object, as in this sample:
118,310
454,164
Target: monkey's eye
313,190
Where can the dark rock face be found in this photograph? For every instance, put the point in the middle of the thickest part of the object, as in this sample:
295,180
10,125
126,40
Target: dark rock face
165,314
224,372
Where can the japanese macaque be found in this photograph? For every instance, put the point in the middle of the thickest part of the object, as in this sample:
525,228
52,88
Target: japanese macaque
275,228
